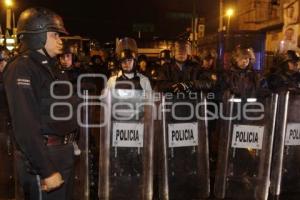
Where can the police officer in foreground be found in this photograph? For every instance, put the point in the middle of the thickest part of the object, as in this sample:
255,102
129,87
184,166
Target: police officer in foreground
128,76
45,153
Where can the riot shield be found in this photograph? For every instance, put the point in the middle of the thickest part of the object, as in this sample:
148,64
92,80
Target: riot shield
285,176
86,176
126,145
245,147
81,178
183,154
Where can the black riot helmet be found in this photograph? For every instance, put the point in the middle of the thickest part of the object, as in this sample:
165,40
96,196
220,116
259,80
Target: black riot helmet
288,61
33,25
68,49
126,54
126,49
165,54
292,56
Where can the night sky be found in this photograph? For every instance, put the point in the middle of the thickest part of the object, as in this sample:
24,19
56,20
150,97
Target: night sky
106,20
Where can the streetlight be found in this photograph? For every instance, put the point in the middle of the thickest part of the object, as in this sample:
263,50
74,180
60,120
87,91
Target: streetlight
8,3
229,14
7,38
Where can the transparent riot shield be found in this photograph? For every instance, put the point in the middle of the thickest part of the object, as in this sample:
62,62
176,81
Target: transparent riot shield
285,176
7,174
245,147
81,150
183,154
126,145
86,150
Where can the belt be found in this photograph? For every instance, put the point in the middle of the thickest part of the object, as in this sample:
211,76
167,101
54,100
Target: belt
52,140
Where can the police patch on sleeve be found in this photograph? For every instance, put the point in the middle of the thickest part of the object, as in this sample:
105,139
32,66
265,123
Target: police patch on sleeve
24,82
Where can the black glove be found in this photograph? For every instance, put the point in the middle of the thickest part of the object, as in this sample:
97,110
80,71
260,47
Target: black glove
180,87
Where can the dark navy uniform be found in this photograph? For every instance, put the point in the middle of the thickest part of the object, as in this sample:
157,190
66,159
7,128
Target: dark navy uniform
281,81
203,79
44,144
172,74
241,82
43,131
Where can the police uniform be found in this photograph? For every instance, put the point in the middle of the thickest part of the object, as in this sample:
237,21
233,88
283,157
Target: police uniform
241,82
127,49
203,79
282,78
174,73
44,144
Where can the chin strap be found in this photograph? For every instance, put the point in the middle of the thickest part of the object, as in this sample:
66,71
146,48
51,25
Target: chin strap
46,53
51,60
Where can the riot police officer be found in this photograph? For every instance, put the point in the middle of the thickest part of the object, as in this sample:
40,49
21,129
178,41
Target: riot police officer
66,62
285,75
45,154
175,76
128,76
112,66
241,79
179,75
165,56
204,77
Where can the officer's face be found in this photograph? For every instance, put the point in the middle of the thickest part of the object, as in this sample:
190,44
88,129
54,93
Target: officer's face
208,63
127,65
143,65
54,44
289,33
66,60
243,62
293,66
181,55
